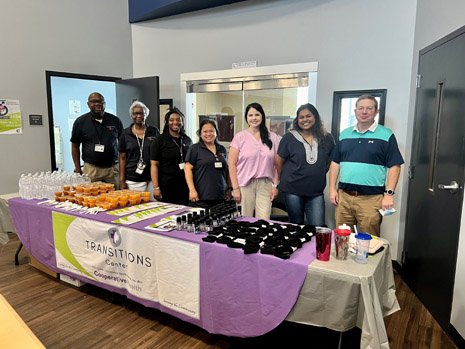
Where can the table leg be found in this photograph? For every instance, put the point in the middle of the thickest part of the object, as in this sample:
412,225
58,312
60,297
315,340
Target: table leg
17,253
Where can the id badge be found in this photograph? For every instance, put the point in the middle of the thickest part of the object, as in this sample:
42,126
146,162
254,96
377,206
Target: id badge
100,148
181,166
140,167
218,164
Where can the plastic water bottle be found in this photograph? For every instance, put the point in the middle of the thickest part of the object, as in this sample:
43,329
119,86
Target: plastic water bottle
21,186
45,184
27,187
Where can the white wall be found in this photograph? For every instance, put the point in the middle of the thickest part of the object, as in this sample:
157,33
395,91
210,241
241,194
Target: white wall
359,44
436,19
457,318
87,37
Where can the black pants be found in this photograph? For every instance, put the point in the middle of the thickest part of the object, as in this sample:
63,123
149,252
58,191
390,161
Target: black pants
175,194
205,203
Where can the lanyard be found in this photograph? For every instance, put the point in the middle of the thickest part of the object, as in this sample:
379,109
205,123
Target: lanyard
213,153
179,147
217,159
141,144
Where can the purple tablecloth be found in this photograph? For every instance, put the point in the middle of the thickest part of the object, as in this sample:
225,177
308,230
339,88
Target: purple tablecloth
240,295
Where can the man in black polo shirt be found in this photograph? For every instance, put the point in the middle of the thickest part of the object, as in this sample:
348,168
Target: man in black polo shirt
98,132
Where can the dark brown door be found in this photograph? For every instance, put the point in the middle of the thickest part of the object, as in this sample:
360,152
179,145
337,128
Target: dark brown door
435,192
145,90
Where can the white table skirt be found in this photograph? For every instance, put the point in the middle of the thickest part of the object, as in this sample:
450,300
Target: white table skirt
343,294
6,225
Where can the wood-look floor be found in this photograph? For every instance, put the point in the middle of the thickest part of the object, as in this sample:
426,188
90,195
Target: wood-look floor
63,316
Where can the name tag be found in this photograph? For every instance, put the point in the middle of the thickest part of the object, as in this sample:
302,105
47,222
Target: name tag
140,167
181,166
99,148
218,164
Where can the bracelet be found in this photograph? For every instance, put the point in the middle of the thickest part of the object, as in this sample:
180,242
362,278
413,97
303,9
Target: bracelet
157,188
274,185
235,188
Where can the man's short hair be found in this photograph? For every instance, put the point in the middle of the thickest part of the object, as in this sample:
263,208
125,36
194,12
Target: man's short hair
367,97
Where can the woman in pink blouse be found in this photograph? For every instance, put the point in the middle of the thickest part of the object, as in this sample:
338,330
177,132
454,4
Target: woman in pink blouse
252,165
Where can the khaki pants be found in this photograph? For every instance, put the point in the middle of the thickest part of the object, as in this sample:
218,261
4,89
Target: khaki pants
256,196
104,174
359,209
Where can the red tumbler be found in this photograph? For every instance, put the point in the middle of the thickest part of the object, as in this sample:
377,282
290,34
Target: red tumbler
323,243
341,243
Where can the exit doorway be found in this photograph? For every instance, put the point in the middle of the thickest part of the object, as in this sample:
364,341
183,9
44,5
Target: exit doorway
67,95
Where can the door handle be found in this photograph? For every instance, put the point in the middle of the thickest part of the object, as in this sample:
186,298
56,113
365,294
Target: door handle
453,186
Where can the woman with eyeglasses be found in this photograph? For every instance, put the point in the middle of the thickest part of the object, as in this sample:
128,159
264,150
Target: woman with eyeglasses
167,157
134,150
304,155
206,168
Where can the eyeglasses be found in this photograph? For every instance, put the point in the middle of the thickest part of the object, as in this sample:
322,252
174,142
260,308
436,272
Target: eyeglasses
139,114
97,101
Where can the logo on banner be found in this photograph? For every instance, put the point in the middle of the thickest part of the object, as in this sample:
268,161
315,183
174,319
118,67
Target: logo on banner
3,108
115,237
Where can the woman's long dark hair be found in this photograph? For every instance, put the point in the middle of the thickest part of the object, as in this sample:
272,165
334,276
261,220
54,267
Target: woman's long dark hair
170,112
264,133
318,130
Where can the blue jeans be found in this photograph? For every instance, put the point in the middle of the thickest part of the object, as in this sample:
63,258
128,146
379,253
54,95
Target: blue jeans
313,207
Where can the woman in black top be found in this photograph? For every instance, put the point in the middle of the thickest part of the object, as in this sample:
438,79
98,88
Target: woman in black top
134,150
206,168
167,156
304,155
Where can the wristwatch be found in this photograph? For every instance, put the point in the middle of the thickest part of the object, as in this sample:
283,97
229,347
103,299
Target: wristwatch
389,192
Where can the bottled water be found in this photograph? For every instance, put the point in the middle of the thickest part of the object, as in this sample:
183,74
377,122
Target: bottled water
44,185
27,186
21,185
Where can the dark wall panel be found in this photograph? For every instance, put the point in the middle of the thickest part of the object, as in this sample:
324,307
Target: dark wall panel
140,11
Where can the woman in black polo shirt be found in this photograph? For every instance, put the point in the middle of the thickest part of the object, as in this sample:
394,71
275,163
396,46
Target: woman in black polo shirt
167,156
206,168
134,150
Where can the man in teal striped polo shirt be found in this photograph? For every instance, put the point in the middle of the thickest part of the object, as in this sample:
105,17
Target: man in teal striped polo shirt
367,160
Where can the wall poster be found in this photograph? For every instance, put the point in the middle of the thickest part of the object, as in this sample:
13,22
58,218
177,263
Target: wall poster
10,117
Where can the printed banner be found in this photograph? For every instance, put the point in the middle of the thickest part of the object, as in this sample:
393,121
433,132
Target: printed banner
148,266
10,117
